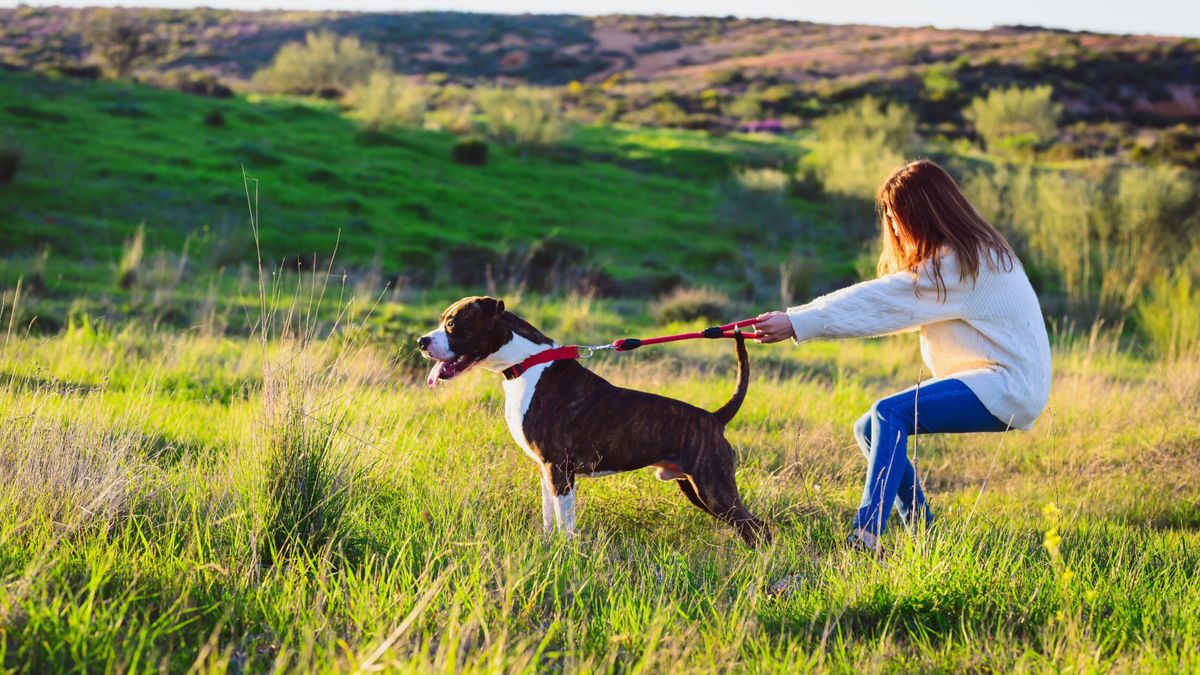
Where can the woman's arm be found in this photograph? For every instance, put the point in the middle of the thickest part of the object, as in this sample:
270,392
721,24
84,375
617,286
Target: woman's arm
877,307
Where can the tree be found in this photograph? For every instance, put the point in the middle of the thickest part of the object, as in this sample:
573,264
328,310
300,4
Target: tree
120,41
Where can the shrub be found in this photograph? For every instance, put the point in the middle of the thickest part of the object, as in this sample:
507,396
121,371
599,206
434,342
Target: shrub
857,147
1098,242
939,82
131,259
1014,118
10,161
692,304
120,40
471,151
1169,315
195,82
754,205
386,101
521,116
323,64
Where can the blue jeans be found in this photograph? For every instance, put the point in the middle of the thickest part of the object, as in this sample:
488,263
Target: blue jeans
939,407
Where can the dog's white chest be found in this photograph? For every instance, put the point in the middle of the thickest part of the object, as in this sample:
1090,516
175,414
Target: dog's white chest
518,394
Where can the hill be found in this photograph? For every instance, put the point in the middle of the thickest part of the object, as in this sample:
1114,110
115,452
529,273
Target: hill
791,68
617,208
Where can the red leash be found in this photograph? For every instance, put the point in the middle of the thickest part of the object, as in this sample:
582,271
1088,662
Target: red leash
571,352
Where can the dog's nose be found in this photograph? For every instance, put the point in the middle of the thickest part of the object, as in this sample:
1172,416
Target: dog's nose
424,342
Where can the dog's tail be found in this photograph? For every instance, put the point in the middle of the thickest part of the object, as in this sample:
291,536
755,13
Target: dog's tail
726,412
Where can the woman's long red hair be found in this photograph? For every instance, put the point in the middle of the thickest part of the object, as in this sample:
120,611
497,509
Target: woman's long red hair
932,215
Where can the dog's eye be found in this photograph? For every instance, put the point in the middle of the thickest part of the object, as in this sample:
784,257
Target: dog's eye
450,324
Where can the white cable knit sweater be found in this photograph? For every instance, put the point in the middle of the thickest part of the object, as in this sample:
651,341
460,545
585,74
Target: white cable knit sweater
988,334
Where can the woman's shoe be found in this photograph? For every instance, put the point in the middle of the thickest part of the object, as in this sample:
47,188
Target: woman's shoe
861,540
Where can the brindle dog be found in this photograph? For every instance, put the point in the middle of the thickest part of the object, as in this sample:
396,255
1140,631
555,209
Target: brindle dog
574,423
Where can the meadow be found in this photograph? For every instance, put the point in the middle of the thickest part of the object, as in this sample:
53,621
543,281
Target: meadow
218,454
296,499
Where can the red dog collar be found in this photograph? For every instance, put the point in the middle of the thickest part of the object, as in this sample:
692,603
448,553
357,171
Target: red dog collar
556,354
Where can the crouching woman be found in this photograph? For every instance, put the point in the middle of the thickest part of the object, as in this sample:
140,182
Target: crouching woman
946,272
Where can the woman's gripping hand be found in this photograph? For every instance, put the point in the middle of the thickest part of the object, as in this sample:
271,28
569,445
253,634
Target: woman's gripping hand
773,327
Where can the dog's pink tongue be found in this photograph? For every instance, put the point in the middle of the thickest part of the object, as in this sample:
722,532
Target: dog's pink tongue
434,374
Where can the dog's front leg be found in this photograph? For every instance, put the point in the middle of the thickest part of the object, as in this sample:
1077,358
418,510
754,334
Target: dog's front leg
561,485
548,504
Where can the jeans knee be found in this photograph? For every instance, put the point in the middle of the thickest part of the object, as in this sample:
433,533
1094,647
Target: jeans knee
862,433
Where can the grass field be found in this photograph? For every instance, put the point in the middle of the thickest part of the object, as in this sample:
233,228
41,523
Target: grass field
102,157
209,467
144,524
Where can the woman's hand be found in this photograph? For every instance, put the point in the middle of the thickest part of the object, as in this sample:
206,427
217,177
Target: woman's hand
773,327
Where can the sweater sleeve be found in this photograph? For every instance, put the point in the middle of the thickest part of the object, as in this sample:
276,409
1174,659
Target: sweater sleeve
891,304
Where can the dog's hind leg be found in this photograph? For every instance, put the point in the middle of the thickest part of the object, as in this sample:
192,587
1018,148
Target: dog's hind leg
685,486
717,489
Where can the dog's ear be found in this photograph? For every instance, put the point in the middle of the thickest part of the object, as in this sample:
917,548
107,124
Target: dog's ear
493,308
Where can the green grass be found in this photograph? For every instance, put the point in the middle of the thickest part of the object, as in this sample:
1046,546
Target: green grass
140,490
102,157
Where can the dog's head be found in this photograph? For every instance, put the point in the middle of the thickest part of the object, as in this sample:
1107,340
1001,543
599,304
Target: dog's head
471,332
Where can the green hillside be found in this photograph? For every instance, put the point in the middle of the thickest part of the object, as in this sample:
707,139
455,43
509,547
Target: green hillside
626,205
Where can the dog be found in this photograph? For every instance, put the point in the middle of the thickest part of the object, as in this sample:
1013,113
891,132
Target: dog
574,423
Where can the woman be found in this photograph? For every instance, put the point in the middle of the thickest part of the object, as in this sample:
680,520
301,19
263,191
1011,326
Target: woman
945,271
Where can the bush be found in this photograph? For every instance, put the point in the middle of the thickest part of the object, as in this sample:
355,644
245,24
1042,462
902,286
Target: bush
521,116
754,206
324,64
387,101
10,161
939,82
131,259
471,151
197,83
1015,119
1169,315
692,304
857,147
1097,242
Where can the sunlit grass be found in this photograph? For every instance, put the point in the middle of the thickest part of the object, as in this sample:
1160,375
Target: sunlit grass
439,561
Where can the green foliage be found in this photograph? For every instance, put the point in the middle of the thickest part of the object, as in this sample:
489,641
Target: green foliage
10,162
523,116
1015,120
324,63
388,101
471,151
1169,314
692,304
939,82
1100,241
856,148
746,107
121,40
